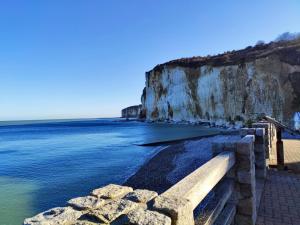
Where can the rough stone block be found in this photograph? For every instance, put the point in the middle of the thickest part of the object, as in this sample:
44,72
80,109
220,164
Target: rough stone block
260,132
260,155
247,190
261,173
260,163
141,196
179,209
111,210
259,148
87,202
144,217
247,206
246,177
112,191
59,215
244,162
244,220
260,140
245,146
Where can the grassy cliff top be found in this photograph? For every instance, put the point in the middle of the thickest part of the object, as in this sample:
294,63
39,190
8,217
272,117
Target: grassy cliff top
288,51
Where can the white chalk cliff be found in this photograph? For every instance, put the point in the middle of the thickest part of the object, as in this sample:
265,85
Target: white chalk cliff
234,87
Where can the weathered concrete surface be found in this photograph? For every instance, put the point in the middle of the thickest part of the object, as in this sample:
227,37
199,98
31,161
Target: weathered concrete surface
213,209
198,184
234,87
227,215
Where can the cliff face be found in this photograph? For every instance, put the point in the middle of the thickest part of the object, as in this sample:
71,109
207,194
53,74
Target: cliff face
231,87
132,111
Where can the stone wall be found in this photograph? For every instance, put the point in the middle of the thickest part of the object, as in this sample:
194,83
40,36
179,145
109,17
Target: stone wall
243,173
112,204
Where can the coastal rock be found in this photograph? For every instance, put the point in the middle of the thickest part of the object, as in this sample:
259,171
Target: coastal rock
146,217
231,88
112,191
111,210
55,216
87,202
85,222
141,195
132,111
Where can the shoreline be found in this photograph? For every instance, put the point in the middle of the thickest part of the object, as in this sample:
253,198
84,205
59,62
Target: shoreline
149,177
179,140
174,162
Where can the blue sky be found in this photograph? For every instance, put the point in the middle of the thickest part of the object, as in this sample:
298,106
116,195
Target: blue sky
75,59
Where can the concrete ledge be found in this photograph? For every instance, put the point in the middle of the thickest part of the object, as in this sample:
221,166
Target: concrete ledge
198,184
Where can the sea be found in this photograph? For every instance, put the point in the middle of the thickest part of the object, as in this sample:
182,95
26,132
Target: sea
45,163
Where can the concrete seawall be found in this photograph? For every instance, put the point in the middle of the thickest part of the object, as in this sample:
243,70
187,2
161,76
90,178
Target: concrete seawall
239,167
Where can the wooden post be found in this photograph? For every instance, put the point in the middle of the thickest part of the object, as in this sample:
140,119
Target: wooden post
279,149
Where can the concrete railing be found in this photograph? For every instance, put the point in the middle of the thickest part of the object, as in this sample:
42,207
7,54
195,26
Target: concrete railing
242,163
270,142
238,167
180,200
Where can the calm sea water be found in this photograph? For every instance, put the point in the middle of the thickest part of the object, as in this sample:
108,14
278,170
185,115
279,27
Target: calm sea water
45,163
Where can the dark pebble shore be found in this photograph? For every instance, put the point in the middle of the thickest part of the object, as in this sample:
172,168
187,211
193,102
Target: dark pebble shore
153,174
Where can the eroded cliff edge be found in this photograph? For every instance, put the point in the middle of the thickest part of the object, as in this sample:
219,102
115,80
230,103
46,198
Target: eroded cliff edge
233,87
